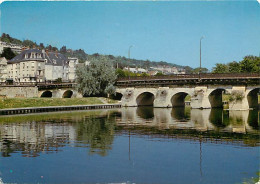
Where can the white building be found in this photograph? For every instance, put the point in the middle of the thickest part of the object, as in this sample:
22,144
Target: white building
40,65
3,69
167,70
14,47
136,70
73,62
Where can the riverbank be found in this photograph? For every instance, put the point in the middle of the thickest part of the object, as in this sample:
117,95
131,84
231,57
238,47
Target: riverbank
29,110
7,103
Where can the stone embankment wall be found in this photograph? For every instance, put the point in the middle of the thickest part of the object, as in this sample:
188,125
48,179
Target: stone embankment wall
18,92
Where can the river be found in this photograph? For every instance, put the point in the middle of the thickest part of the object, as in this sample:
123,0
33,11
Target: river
131,145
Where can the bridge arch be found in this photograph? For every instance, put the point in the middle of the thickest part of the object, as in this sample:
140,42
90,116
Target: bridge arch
178,99
145,99
252,98
215,97
67,94
46,94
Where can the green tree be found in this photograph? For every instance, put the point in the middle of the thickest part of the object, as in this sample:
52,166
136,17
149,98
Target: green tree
197,70
28,43
250,64
220,68
234,67
8,54
95,78
120,72
159,74
144,74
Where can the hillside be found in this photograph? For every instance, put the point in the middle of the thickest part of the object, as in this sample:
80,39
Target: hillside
83,56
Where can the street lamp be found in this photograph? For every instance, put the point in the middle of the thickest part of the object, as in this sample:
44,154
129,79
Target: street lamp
200,53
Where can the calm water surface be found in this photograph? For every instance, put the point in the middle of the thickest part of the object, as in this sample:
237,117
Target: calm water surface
131,145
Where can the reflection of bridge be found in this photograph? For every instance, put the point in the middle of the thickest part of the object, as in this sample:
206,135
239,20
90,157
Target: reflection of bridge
205,90
193,119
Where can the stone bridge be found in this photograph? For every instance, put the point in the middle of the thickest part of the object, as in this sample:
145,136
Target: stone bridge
205,91
32,90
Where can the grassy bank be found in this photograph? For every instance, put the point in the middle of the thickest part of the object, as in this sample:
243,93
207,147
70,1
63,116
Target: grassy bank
42,102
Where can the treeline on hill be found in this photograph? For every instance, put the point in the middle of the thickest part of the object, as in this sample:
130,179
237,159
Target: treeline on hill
118,61
249,64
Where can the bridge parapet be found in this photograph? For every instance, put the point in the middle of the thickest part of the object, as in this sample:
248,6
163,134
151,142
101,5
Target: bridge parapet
190,79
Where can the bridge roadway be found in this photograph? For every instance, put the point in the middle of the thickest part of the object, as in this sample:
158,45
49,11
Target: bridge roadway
191,79
205,90
40,85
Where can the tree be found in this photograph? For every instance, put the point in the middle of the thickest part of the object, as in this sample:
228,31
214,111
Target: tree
144,75
41,46
250,64
95,78
220,68
28,43
8,54
63,49
197,70
234,67
120,72
159,74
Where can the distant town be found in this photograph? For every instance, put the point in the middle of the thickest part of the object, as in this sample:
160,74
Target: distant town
27,61
35,63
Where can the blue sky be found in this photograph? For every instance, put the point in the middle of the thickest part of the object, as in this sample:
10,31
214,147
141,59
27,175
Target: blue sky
160,31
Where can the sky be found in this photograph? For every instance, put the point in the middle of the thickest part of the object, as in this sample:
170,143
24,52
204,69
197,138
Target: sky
158,30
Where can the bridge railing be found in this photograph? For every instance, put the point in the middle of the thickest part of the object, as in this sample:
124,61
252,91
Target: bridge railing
194,76
37,83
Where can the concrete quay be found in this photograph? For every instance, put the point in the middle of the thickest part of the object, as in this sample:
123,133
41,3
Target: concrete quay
27,110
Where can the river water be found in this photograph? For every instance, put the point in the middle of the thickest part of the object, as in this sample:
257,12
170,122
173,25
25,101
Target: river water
131,145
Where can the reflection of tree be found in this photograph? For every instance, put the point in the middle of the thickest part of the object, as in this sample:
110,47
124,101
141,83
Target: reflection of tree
181,113
254,119
219,118
97,132
145,112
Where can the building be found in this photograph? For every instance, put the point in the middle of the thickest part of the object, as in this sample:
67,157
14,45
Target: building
135,70
168,70
39,65
152,73
14,47
73,62
3,69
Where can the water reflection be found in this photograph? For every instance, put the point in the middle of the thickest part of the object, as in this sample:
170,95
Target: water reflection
140,145
49,133
96,133
95,130
181,114
219,118
186,118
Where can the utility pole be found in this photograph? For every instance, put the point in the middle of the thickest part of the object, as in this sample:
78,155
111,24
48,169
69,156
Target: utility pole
200,53
129,51
200,56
